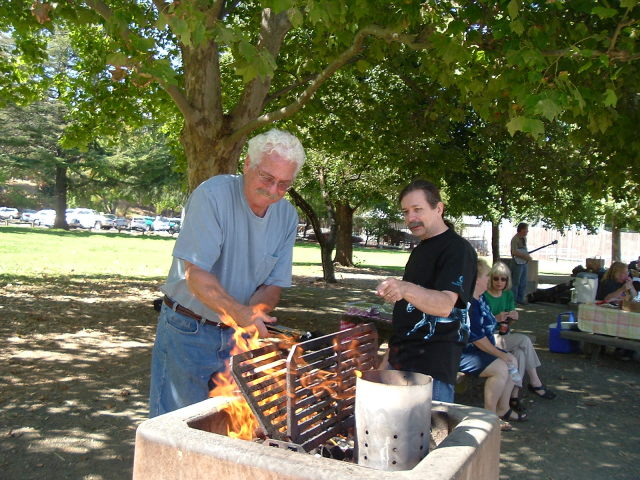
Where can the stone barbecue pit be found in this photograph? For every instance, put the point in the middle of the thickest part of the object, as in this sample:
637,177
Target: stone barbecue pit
303,399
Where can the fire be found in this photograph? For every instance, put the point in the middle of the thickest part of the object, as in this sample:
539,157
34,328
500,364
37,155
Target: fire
242,422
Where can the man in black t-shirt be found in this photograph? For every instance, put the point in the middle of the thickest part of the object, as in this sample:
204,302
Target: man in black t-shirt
430,316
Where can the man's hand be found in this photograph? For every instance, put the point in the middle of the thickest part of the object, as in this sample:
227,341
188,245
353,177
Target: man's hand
391,289
254,316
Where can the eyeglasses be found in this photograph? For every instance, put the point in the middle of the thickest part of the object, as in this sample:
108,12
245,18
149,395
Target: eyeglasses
269,181
499,279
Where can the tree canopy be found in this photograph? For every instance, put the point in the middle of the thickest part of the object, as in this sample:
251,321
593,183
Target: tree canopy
228,68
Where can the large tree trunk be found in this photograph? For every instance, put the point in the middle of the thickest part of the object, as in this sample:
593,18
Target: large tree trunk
344,224
61,197
495,240
616,249
208,155
326,244
213,139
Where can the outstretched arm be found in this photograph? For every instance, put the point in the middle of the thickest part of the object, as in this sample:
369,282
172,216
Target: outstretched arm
432,302
207,288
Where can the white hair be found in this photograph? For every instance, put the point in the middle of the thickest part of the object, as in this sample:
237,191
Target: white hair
284,143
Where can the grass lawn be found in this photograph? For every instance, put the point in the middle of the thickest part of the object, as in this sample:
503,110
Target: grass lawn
26,251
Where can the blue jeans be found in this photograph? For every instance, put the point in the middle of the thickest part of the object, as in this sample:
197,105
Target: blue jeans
442,392
519,279
185,355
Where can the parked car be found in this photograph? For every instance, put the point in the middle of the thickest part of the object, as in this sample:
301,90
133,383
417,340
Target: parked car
121,223
140,224
108,221
174,225
44,218
84,218
27,215
9,213
160,224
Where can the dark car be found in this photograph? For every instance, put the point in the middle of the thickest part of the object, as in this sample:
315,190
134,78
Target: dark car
174,225
121,223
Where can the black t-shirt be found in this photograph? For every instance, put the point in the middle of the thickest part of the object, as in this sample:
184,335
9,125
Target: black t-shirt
426,343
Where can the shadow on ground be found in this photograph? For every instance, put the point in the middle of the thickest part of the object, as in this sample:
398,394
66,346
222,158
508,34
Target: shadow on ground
74,372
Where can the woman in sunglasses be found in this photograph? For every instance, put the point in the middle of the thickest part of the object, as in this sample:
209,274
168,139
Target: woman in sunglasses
499,296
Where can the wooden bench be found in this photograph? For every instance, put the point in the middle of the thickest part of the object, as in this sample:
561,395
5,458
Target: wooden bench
592,341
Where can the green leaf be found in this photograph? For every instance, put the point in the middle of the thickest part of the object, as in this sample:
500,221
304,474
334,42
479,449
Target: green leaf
604,12
585,67
517,27
513,9
628,3
524,124
281,5
117,59
548,109
610,98
295,17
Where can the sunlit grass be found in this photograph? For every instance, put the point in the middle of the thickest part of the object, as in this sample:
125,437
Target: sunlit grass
26,251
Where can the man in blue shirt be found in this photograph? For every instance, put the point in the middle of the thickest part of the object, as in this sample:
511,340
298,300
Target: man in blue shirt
231,260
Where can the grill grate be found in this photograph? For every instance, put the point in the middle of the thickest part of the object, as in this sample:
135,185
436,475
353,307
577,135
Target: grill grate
306,395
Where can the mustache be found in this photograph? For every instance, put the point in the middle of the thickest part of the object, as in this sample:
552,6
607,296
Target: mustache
415,224
270,196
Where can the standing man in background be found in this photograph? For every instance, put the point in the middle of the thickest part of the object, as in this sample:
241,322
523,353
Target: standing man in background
231,260
519,259
430,315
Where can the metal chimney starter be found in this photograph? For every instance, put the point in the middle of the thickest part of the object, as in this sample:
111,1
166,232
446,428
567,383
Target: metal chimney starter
393,418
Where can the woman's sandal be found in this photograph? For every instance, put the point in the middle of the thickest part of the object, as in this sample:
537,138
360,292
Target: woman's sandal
522,417
516,405
548,394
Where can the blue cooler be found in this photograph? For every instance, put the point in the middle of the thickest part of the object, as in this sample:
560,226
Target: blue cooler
558,344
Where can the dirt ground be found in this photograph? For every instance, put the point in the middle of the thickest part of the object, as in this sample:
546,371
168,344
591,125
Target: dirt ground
74,370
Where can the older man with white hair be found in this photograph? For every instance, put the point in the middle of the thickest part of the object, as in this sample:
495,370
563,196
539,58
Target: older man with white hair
231,260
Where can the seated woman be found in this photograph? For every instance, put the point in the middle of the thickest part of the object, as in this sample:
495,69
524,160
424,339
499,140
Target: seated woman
482,358
616,284
503,306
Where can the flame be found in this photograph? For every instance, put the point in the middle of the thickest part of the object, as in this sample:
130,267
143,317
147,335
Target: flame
320,383
242,422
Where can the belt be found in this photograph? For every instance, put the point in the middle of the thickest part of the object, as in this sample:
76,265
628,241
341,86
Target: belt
176,307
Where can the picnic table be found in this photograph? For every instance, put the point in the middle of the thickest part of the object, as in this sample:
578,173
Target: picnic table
605,326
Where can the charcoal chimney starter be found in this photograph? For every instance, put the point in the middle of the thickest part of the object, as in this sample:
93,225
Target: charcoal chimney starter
393,419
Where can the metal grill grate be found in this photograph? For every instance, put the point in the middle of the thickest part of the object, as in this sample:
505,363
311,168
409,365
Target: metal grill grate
306,395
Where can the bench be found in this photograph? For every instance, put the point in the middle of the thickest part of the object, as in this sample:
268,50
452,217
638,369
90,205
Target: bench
591,342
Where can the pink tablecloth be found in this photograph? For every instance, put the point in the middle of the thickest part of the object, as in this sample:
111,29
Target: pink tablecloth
609,321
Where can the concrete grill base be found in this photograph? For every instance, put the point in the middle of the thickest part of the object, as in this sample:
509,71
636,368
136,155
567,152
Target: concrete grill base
190,444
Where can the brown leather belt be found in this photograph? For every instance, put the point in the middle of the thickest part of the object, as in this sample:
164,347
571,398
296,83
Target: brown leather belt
176,307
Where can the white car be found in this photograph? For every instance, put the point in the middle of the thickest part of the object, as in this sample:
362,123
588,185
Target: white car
9,213
44,218
161,224
84,218
108,221
27,215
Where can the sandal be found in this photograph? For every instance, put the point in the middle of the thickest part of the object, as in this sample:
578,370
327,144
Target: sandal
505,426
521,417
516,405
548,394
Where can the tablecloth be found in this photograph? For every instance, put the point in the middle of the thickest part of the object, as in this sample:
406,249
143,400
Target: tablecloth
609,321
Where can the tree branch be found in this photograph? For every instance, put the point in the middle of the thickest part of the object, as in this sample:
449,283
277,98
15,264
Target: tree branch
125,33
273,29
619,27
355,48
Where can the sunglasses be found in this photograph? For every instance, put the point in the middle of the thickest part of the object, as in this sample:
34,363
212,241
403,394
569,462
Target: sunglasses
501,279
